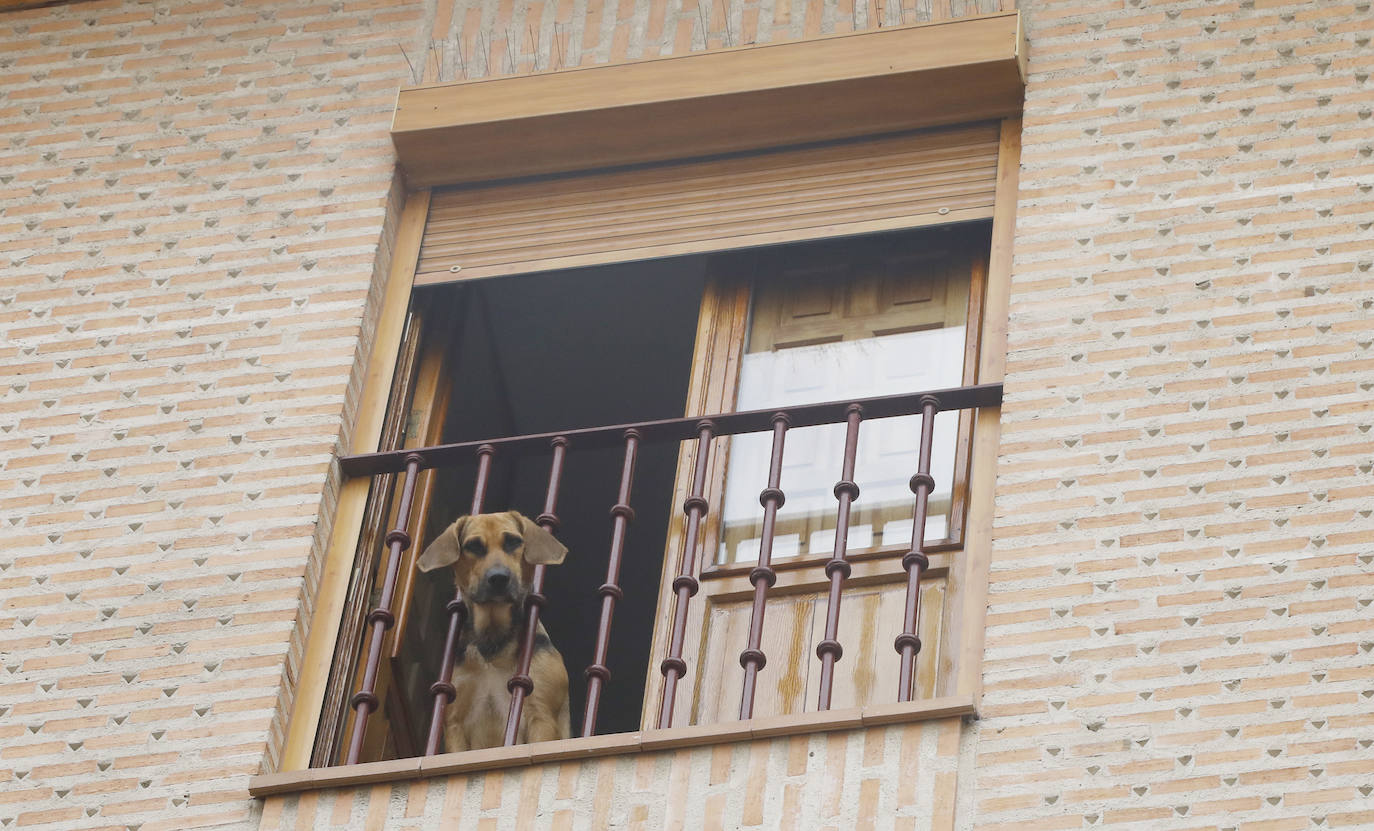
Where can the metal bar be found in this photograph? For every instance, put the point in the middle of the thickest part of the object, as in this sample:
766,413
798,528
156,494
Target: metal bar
381,618
443,690
829,650
685,585
763,576
915,561
521,684
598,674
678,429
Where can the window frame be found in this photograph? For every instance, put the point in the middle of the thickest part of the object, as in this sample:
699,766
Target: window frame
326,603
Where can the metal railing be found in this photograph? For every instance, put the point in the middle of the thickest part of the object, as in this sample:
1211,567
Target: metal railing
777,421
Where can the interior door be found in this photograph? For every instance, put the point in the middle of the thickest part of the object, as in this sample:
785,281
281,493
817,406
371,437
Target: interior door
839,320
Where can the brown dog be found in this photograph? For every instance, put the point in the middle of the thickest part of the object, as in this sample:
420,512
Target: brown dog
493,557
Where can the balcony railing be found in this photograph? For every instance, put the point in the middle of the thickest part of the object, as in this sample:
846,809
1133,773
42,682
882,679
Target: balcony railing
630,437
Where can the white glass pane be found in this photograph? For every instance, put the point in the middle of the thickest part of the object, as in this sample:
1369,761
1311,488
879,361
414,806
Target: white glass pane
887,452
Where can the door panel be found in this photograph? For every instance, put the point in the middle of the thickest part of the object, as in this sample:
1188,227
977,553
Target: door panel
844,319
872,321
870,620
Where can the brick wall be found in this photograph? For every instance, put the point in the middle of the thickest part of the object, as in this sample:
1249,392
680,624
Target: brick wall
899,777
482,38
195,208
192,202
1180,629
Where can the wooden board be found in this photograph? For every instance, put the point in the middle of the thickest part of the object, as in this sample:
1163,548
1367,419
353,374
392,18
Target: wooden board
726,101
870,619
718,618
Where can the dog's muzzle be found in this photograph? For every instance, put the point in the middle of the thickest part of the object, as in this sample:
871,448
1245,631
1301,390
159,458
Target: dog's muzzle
498,584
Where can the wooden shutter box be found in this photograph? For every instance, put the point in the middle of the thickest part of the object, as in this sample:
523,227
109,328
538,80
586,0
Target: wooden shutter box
726,101
763,198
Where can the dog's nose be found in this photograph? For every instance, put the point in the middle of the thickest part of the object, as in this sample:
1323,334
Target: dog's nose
498,579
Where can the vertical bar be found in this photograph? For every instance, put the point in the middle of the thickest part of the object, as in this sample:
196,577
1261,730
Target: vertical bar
837,569
443,690
763,577
915,561
521,684
365,701
685,585
598,674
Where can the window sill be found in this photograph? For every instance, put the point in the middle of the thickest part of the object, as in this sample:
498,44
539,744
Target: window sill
616,744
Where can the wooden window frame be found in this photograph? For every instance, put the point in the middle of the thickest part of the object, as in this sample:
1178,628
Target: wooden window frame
963,685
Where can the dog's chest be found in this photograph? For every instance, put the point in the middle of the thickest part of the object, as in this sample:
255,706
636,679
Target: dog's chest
483,685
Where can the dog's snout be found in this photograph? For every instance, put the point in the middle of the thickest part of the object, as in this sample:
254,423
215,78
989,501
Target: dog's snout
498,580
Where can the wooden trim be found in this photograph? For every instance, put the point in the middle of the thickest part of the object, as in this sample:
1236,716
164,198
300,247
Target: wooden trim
708,246
28,5
715,102
968,631
414,419
347,671
716,572
973,349
427,413
616,744
866,572
720,329
338,561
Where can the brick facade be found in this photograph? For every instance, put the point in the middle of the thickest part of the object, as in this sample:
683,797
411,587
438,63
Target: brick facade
1179,632
196,202
192,198
843,779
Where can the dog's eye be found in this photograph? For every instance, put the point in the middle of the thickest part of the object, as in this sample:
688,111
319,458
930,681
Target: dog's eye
511,543
475,547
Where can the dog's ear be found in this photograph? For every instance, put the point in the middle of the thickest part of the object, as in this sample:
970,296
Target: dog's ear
541,547
445,550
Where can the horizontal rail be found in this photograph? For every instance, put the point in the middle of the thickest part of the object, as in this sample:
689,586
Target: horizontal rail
676,429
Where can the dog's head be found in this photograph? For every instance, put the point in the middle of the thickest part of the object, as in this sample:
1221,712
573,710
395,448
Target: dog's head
493,555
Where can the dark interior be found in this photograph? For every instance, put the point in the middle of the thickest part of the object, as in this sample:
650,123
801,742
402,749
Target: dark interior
547,352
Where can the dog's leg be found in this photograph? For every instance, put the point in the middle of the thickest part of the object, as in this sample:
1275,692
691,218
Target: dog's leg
454,740
542,728
546,717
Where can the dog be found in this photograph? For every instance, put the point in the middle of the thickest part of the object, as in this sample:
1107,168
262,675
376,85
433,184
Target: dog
493,558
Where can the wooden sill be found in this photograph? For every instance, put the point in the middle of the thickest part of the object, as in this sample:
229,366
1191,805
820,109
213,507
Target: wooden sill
708,103
293,781
874,569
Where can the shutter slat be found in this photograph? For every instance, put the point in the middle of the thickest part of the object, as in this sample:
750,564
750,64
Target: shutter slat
787,195
721,224
574,195
699,203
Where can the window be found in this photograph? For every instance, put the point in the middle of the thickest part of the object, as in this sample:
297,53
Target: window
772,328
523,206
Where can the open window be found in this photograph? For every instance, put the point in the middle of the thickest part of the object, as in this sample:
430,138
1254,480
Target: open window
575,177
774,327
505,357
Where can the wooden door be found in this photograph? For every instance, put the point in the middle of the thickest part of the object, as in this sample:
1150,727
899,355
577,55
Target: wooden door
840,320
416,417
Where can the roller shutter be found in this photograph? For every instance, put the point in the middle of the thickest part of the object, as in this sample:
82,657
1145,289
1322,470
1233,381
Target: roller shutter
852,187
